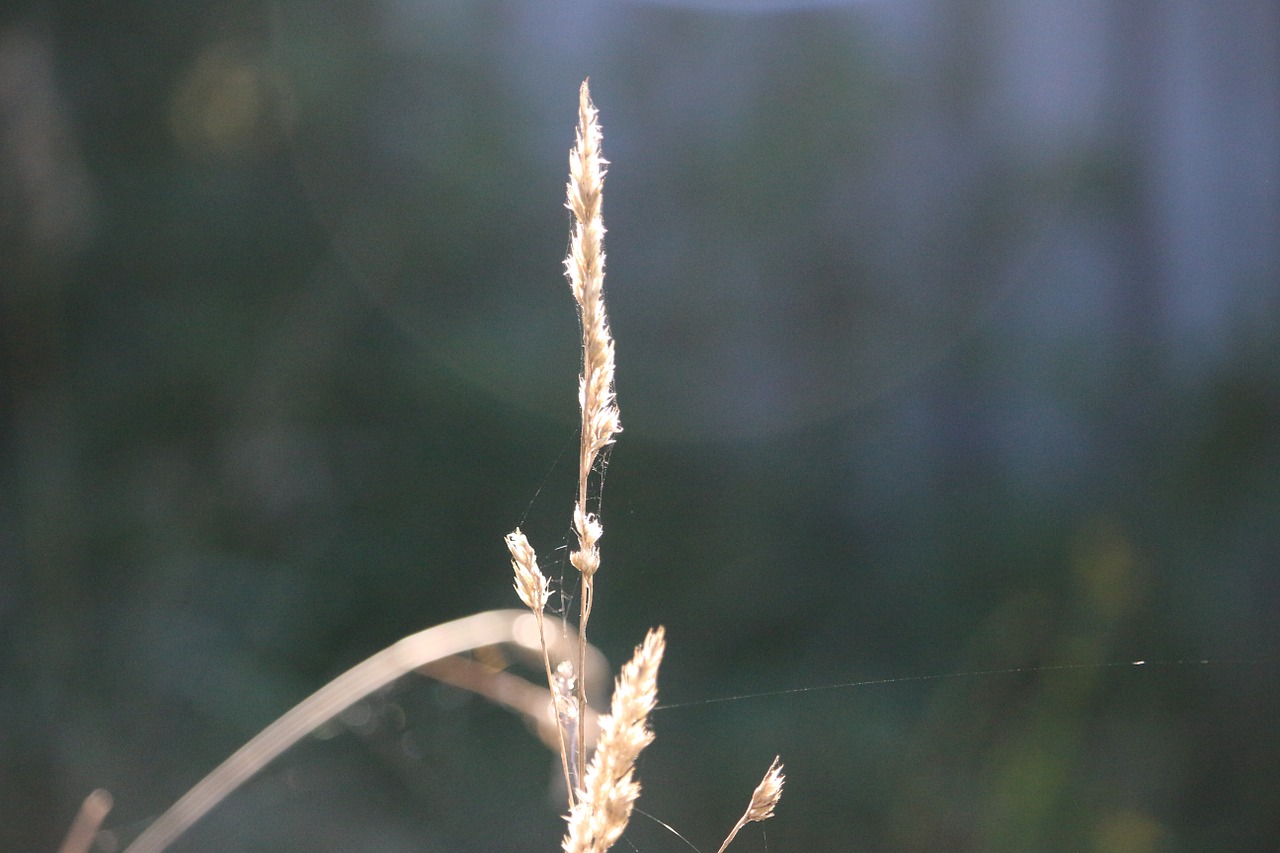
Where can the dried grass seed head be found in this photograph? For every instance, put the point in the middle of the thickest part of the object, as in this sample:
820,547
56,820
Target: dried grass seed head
585,269
609,790
530,584
763,800
767,793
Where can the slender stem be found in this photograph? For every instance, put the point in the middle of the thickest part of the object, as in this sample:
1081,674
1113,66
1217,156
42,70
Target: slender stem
588,589
733,834
555,703
584,614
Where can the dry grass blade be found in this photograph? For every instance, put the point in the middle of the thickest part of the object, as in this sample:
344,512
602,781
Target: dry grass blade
417,650
88,820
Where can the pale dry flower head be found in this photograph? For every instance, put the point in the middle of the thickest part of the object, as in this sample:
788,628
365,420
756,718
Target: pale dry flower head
767,793
534,590
585,269
531,585
763,800
587,527
609,789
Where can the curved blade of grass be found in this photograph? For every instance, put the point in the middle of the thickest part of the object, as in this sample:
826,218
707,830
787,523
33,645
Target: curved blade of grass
85,827
490,628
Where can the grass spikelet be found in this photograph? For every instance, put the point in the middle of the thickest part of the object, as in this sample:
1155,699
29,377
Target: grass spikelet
763,800
531,585
534,590
609,789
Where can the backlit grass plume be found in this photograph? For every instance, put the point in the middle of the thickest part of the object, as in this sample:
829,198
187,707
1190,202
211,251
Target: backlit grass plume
763,800
585,269
601,794
609,789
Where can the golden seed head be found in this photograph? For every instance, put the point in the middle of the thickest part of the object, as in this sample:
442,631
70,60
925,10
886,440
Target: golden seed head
530,584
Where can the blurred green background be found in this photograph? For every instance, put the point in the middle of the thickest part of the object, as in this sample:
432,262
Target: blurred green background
947,340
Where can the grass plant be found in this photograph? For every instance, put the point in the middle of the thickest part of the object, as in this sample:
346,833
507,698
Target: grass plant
602,794
597,755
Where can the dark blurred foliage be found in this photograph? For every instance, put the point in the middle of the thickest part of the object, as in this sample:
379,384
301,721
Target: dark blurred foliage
947,341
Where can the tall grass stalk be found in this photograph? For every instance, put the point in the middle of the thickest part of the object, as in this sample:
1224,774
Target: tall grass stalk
602,790
601,795
585,268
